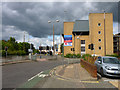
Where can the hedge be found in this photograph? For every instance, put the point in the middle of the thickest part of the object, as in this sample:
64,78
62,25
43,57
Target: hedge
69,55
86,55
19,52
114,55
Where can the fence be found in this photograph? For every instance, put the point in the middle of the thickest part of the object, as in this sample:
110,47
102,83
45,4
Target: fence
16,58
91,68
73,60
50,57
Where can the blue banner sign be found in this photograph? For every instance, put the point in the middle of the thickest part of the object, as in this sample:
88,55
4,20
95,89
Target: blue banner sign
67,40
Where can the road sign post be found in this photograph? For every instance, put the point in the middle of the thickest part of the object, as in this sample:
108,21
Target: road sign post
6,50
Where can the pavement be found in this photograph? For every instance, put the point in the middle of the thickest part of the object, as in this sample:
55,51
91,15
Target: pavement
74,73
67,76
15,62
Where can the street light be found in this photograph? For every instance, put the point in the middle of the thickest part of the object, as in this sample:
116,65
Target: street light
53,34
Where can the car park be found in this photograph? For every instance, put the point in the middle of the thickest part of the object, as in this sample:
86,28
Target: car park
108,66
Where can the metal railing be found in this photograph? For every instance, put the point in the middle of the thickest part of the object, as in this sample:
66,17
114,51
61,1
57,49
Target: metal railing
73,60
14,59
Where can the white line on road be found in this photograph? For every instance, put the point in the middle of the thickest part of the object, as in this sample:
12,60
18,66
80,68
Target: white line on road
35,76
110,80
43,75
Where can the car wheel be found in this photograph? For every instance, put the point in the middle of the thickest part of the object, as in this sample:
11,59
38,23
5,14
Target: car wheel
101,72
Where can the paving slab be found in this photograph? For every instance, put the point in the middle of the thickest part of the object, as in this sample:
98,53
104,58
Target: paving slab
74,71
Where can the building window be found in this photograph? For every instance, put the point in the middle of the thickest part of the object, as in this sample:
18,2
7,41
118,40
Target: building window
82,41
89,46
99,24
99,48
99,32
99,40
82,49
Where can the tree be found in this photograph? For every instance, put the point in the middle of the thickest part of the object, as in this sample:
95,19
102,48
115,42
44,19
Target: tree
15,48
40,48
62,47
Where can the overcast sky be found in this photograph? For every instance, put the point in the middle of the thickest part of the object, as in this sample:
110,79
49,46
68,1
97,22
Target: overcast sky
32,17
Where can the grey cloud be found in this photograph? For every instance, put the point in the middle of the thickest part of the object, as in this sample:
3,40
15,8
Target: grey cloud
33,17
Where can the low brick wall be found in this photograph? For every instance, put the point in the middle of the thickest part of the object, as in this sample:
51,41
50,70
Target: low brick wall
92,69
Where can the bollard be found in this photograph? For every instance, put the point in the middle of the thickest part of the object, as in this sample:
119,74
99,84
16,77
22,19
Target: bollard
40,57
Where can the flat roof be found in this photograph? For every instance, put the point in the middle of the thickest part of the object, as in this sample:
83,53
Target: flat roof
81,26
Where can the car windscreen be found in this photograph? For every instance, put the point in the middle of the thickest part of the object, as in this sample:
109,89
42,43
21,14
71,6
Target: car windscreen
111,60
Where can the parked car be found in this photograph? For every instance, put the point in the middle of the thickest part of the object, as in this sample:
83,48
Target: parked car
109,66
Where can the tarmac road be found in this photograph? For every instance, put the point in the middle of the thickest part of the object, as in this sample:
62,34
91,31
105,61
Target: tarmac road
15,75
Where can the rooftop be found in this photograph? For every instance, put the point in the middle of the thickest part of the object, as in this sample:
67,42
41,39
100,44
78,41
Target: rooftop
81,26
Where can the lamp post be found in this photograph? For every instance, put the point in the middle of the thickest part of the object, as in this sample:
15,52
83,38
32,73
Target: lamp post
53,34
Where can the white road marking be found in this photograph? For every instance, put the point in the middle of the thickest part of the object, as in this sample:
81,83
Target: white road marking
43,75
110,80
35,76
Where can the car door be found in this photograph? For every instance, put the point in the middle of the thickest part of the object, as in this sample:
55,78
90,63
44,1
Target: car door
96,64
99,65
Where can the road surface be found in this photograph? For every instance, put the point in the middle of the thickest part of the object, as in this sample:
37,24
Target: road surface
16,74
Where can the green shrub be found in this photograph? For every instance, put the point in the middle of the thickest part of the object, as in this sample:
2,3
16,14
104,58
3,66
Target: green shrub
2,53
21,52
72,55
78,56
35,51
114,55
69,55
9,52
86,55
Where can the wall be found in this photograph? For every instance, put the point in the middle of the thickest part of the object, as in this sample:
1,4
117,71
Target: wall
78,44
93,37
68,28
94,19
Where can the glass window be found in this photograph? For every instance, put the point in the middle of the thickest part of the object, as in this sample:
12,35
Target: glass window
82,41
99,24
82,48
99,40
99,32
89,46
111,60
99,48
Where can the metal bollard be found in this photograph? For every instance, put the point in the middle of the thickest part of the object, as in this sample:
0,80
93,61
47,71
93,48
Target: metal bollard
40,57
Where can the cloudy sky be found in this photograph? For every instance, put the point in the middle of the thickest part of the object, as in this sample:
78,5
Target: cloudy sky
32,18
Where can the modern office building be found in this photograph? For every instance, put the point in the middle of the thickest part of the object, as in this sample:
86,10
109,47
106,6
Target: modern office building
81,35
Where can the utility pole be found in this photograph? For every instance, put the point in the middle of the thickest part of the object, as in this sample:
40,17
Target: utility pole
6,50
53,35
30,50
104,35
53,40
24,37
24,41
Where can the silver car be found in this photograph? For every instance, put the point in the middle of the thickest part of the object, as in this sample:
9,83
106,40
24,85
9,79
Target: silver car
109,66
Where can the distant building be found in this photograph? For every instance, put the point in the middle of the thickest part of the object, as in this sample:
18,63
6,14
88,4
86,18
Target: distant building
79,36
116,43
59,48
